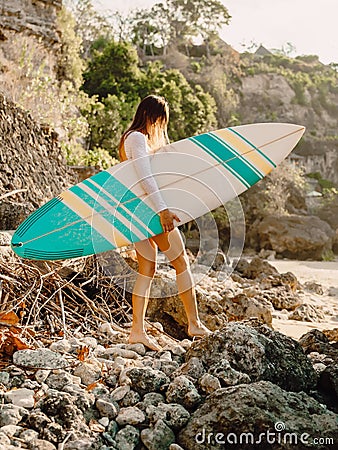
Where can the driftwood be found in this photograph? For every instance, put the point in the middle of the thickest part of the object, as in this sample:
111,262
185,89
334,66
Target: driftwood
42,301
11,193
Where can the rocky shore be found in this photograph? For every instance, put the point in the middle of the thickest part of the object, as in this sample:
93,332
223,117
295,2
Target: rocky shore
245,386
243,379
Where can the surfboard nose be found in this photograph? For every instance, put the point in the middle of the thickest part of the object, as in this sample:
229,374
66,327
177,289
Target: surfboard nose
274,140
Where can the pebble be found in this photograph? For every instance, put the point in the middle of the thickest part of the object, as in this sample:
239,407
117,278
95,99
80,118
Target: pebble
79,444
166,356
11,414
29,435
209,383
177,349
21,397
172,414
89,342
42,358
120,392
138,348
41,444
41,375
181,390
4,378
107,409
175,447
60,378
10,430
124,353
130,415
4,441
104,421
145,379
106,329
127,438
89,373
63,346
159,437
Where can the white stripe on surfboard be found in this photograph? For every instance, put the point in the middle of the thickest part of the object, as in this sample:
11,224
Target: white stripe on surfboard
94,219
122,205
110,207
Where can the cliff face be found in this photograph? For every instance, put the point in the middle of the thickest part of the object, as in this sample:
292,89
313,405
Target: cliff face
265,97
272,87
32,167
36,17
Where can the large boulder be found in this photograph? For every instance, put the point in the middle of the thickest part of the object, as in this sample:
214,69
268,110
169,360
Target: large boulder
260,353
258,415
246,305
256,268
167,308
299,237
323,352
317,341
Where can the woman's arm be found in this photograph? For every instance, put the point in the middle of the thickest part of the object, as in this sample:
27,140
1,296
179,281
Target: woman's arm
135,146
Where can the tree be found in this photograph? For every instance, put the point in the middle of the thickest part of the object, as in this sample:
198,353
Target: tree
175,22
107,120
144,31
192,110
90,25
114,70
70,64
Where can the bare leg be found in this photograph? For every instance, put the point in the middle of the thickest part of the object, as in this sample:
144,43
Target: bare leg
188,297
172,245
146,254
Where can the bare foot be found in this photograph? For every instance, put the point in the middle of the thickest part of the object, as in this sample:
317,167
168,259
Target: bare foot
143,338
199,330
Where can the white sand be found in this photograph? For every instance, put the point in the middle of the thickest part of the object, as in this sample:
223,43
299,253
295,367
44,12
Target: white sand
322,272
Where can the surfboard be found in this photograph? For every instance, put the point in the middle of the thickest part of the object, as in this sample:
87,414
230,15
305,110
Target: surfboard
195,176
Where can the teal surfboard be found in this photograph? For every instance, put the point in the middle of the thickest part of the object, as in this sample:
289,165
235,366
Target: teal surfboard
195,175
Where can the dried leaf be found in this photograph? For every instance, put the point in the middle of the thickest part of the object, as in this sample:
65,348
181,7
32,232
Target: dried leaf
19,344
29,331
95,426
10,343
83,353
14,330
91,386
9,318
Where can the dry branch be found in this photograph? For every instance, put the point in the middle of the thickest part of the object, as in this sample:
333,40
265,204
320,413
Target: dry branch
56,299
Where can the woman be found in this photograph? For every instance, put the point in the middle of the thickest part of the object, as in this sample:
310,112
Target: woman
147,133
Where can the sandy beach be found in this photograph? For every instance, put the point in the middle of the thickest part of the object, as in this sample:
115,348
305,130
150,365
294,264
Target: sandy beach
326,274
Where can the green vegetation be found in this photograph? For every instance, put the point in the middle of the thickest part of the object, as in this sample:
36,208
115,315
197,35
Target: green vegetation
106,64
304,73
175,22
323,183
328,255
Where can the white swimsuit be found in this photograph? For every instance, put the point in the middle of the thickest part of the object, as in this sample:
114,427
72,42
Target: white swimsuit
136,148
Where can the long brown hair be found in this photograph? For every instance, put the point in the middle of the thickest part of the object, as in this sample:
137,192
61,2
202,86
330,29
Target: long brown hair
150,109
